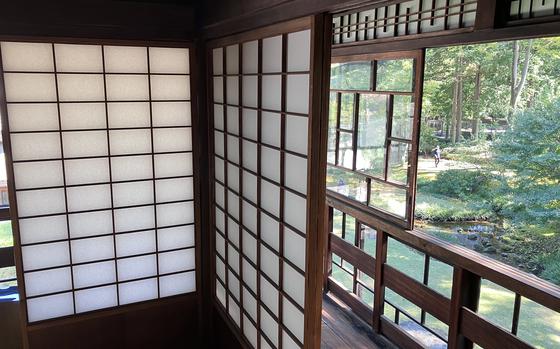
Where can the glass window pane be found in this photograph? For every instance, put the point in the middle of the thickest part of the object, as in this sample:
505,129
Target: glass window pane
345,151
365,279
7,279
388,198
347,183
365,295
405,259
496,304
6,237
398,162
347,111
342,276
395,75
337,222
351,76
403,116
372,126
538,325
350,229
368,240
441,277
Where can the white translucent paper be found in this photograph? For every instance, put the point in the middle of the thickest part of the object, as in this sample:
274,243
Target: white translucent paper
172,139
33,117
233,149
129,114
137,291
249,216
136,267
271,127
42,229
269,295
270,197
249,155
249,275
272,54
45,255
85,198
299,51
270,230
175,261
250,331
75,116
176,237
92,249
133,193
250,57
270,163
128,219
217,61
90,223
249,124
130,142
40,202
171,285
250,246
295,173
272,92
27,146
171,114
21,87
294,284
269,326
82,171
293,319
297,93
92,274
172,165
27,56
174,189
132,167
250,186
96,298
50,307
296,134
233,177
233,120
135,243
81,87
125,59
232,90
170,87
78,58
294,248
172,60
127,87
47,281
269,264
250,91
25,174
84,143
232,59
174,214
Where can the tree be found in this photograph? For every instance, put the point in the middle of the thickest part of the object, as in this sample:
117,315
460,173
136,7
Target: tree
518,83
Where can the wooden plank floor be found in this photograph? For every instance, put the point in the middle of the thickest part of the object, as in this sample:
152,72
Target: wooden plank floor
343,329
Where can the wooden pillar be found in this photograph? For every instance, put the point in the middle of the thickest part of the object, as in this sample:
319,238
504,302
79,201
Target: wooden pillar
379,283
465,293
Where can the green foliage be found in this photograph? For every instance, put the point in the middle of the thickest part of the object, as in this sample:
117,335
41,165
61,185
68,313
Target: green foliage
428,140
462,184
441,208
551,264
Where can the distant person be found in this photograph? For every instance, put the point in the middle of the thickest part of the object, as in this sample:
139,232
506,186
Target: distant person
437,155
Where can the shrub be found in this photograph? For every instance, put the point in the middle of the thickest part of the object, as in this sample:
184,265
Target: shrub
462,184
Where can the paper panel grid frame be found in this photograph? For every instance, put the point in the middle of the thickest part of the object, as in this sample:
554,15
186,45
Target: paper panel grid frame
262,115
102,160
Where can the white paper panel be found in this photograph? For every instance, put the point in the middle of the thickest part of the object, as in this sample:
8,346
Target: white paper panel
250,216
81,87
172,165
269,264
92,274
250,303
295,173
293,319
269,326
30,87
219,143
233,120
250,91
294,248
272,92
297,94
233,258
233,149
249,155
172,139
294,284
264,343
130,142
128,114
88,197
233,285
42,229
78,58
96,298
249,275
25,174
50,307
90,223
218,89
176,237
234,311
250,124
270,124
270,231
269,295
170,87
75,116
170,262
136,267
169,60
232,59
250,331
23,56
232,92
295,211
26,146
221,293
233,204
84,143
136,218
125,59
171,114
220,219
250,186
132,167
127,87
233,232
288,342
174,214
220,245
135,243
33,117
93,249
45,255
137,291
296,134
84,171
299,53
233,177
220,269
220,195
250,57
47,281
40,202
219,169
250,246
270,197
174,189
218,61
272,54
171,285
219,117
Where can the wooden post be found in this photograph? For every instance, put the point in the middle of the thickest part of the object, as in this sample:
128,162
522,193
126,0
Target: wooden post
465,293
379,284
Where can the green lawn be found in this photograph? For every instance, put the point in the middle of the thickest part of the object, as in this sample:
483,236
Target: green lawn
6,238
538,325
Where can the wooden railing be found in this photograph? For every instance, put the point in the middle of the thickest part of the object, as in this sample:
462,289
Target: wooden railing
458,310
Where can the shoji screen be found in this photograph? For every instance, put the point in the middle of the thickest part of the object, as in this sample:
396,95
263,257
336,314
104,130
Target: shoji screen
102,168
261,133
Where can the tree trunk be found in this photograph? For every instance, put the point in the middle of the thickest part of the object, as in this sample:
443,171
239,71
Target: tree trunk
476,117
517,87
455,106
459,100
